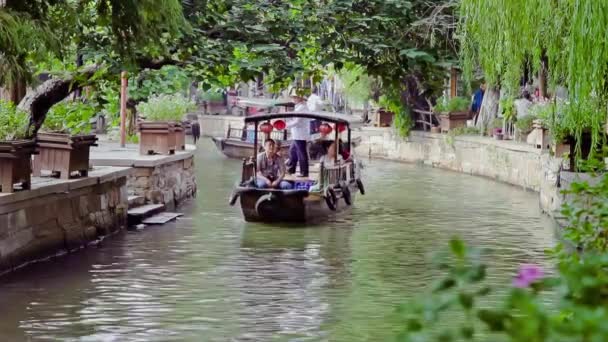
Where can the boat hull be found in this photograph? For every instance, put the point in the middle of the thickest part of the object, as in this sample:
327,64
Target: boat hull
294,206
241,149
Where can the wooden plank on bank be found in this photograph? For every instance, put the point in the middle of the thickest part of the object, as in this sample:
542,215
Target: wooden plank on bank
161,218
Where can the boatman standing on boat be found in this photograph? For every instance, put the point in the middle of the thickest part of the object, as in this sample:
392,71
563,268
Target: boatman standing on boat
300,134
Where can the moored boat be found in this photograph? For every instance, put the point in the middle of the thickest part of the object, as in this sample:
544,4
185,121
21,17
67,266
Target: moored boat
327,189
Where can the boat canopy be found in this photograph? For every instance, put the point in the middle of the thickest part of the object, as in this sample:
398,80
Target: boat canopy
268,103
349,120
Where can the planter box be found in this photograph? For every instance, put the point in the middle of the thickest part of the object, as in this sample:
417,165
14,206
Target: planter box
453,120
384,118
157,137
16,164
63,154
180,136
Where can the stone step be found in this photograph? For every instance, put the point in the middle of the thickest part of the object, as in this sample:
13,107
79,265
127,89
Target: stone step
136,215
161,218
136,201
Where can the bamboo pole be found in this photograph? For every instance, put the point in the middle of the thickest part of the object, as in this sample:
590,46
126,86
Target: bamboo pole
123,108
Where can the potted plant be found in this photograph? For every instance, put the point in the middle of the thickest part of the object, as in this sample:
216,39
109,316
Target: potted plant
497,132
16,148
65,139
162,131
508,117
453,112
525,125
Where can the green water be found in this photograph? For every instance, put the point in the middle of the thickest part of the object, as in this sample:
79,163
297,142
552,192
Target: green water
212,277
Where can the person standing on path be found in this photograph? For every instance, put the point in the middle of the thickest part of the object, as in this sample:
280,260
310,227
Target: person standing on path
300,134
477,101
196,130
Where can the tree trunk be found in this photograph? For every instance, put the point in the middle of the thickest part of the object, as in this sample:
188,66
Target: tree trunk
489,109
38,102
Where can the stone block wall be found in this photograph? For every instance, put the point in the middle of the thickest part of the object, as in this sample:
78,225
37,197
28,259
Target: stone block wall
43,225
170,183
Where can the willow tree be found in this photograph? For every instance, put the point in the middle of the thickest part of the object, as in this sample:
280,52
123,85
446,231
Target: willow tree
565,37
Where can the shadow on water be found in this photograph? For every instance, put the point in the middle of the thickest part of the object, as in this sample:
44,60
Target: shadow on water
213,277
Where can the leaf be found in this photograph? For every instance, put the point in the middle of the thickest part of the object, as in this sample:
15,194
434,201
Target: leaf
494,319
444,284
458,248
466,300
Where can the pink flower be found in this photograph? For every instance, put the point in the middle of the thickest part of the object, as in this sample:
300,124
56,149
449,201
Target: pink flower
528,274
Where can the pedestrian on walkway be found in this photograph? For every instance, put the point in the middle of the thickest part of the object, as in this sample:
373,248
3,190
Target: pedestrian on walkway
196,130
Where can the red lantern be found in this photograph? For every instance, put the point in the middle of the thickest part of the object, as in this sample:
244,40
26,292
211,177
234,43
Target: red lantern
325,128
341,127
266,127
279,125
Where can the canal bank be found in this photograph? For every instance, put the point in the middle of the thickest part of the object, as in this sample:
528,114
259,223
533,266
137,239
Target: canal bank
511,162
58,216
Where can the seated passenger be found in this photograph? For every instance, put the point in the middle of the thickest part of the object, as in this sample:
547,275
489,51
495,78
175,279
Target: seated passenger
329,159
271,168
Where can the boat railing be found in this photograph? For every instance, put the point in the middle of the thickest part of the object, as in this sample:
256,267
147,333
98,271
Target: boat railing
248,170
333,175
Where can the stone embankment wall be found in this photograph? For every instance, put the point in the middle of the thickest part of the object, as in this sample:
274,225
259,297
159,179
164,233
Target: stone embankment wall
506,161
169,183
58,216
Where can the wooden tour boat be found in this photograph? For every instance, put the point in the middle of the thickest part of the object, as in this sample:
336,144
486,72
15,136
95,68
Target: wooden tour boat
327,190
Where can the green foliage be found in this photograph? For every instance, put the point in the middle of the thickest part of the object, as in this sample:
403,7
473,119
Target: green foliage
586,215
167,80
508,109
497,123
357,84
552,115
524,124
165,108
71,117
561,35
212,96
525,314
455,104
464,131
402,121
14,123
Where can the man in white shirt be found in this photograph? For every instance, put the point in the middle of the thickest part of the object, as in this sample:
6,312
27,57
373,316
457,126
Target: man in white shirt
315,104
300,134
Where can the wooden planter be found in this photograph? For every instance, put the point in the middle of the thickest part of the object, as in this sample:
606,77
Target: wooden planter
16,164
157,137
63,154
384,118
453,120
180,137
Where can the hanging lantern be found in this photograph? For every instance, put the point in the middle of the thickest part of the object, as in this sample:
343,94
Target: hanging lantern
341,127
266,127
279,125
325,128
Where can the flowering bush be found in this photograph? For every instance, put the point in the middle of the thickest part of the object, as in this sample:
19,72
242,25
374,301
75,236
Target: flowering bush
579,290
165,107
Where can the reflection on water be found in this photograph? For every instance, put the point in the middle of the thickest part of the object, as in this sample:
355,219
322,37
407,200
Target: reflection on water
213,277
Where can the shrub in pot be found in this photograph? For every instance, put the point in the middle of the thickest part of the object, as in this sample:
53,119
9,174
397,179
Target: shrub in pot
453,112
162,130
65,139
16,148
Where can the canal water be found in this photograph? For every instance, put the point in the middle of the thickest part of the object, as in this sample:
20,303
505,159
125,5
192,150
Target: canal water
212,277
